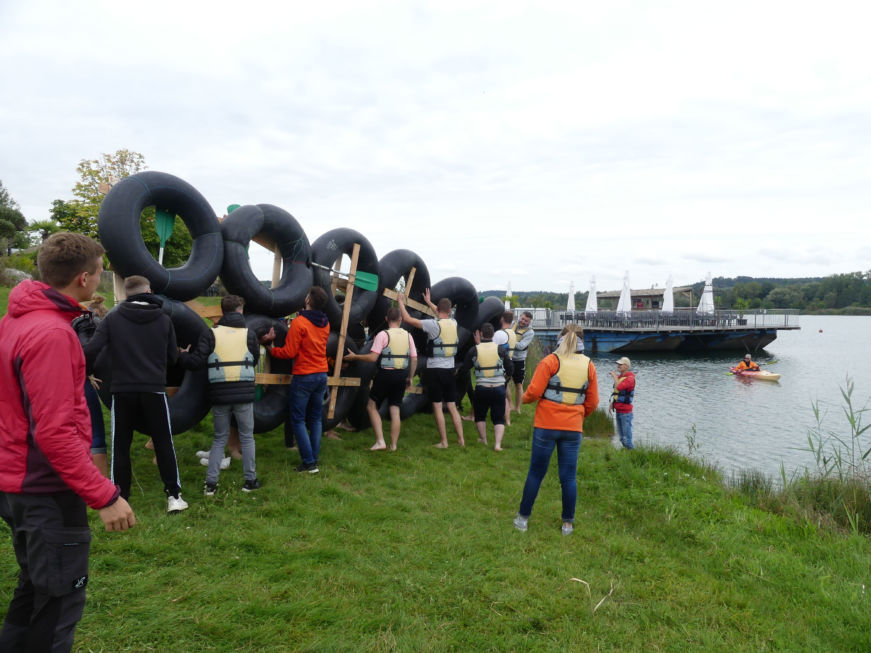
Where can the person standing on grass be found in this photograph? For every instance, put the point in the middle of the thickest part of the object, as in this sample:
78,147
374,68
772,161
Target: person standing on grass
397,360
47,477
506,339
566,388
523,335
621,400
230,351
443,343
490,363
142,345
307,344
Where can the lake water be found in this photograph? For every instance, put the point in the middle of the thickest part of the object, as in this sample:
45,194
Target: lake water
744,424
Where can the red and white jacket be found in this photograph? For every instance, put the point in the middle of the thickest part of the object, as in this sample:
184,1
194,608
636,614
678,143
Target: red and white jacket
45,426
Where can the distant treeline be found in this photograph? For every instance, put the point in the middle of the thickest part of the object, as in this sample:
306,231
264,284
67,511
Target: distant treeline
840,293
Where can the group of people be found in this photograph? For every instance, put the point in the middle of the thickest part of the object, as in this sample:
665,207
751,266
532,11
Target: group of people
47,471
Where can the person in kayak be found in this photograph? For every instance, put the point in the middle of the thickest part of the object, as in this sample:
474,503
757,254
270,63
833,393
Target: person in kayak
747,365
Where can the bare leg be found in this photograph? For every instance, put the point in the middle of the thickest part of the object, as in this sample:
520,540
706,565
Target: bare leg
395,426
375,418
518,395
482,431
149,444
499,431
507,410
440,424
233,443
458,423
332,435
101,460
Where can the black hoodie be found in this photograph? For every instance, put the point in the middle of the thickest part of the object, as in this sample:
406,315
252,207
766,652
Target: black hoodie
141,343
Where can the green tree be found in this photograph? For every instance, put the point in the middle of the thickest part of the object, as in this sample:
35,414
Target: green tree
96,177
13,224
41,230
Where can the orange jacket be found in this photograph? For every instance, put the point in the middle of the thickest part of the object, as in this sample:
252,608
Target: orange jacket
744,366
552,415
306,343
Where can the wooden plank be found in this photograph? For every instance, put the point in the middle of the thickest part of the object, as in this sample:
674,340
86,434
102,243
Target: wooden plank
212,313
423,308
343,330
264,378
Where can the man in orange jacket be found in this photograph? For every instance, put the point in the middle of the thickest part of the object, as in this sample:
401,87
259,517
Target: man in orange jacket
307,344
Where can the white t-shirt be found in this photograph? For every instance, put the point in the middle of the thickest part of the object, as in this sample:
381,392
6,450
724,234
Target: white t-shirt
432,330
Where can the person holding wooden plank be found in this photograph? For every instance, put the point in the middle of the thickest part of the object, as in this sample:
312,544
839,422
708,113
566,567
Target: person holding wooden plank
397,360
442,343
307,344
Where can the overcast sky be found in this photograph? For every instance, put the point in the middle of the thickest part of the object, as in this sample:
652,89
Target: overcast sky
535,144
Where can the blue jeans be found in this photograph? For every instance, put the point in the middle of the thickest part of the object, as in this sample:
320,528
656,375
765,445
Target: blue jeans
306,398
624,428
567,444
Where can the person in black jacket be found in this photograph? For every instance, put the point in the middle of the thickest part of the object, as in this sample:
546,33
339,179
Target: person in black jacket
141,343
230,351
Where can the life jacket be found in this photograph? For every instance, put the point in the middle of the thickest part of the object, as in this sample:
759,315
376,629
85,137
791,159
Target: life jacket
231,360
623,396
512,341
446,343
395,354
569,384
488,363
518,331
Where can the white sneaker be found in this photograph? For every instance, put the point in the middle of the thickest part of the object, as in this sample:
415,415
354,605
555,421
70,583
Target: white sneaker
174,504
521,523
202,454
225,462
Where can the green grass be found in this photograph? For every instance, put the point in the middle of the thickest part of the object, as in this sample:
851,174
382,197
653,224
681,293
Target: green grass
414,551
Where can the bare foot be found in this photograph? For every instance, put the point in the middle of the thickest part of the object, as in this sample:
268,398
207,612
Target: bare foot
345,426
378,446
154,460
392,447
332,435
236,454
149,444
497,448
441,445
482,440
468,418
461,442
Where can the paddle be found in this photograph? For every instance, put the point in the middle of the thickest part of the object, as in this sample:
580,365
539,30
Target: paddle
362,280
164,223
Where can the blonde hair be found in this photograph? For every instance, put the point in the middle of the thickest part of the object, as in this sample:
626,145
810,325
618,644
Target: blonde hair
569,344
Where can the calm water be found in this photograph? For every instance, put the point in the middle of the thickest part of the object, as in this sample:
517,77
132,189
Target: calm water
742,424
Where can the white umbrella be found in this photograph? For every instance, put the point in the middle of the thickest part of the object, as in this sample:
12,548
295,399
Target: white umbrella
706,303
570,304
591,298
668,296
624,306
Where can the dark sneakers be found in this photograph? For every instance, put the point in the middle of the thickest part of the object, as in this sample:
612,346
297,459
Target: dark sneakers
311,468
250,486
209,489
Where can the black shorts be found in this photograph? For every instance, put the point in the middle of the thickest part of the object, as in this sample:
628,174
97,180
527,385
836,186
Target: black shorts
389,385
519,372
492,399
440,385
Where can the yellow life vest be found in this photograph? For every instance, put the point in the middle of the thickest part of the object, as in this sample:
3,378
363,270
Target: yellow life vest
512,341
445,344
231,360
569,384
395,354
488,363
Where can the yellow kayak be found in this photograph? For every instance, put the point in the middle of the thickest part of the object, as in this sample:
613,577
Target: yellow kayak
761,375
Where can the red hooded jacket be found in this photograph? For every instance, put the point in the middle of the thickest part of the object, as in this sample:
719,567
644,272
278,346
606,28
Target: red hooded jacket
45,426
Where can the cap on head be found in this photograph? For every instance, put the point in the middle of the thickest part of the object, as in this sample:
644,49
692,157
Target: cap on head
624,361
746,357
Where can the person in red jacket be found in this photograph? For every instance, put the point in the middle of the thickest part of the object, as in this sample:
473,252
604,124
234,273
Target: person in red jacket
566,388
621,400
306,344
47,475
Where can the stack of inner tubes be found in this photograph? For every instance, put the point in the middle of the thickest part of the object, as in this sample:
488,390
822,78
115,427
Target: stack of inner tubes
220,248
